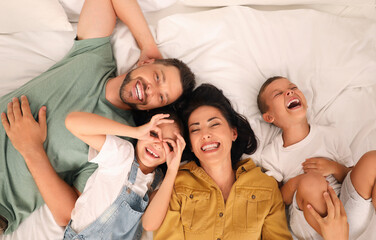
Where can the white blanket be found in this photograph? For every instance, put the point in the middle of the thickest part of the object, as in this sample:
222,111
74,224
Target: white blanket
332,59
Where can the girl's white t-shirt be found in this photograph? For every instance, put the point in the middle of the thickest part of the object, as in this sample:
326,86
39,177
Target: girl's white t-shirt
104,185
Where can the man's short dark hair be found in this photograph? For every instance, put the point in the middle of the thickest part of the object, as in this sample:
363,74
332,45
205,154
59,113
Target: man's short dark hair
187,77
260,100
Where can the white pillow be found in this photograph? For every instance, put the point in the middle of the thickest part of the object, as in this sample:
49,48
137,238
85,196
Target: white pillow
221,3
32,15
238,48
73,7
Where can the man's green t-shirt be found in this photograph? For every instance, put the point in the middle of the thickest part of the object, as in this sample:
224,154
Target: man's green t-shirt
76,83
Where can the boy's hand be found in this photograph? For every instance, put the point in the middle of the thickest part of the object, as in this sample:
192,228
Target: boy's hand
26,134
173,151
319,165
150,131
334,225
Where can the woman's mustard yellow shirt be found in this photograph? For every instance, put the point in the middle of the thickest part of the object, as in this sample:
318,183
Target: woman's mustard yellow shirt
197,210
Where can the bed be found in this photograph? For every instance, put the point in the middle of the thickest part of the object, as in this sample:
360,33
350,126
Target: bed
328,50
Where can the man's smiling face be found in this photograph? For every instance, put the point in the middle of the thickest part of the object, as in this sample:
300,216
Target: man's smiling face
151,86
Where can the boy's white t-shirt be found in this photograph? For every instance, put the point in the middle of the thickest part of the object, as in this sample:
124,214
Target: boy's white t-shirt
284,163
104,185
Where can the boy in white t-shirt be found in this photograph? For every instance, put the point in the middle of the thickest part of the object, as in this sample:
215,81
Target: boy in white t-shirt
305,158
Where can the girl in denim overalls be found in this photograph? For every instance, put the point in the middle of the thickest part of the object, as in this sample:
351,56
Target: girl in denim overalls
116,195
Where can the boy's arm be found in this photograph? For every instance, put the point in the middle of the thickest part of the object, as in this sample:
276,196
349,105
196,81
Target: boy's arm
98,19
326,167
28,136
288,189
158,207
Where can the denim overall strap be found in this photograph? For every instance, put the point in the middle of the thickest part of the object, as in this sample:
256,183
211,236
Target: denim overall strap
121,220
158,176
133,173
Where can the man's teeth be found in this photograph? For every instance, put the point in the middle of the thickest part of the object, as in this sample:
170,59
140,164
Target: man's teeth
293,102
152,153
210,147
138,91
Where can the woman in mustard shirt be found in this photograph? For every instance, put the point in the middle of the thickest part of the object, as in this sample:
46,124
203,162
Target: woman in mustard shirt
218,196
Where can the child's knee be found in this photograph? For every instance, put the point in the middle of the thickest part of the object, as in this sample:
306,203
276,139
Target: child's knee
368,160
310,190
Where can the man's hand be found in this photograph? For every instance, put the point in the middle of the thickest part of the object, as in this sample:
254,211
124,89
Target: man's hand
151,131
320,165
173,151
334,226
25,133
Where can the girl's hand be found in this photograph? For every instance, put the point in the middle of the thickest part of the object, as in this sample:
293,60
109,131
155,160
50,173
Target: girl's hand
174,151
26,134
319,165
150,131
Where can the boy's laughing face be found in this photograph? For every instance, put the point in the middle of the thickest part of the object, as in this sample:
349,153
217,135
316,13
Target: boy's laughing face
286,103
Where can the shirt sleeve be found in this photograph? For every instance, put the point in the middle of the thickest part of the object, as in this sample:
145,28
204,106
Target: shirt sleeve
269,163
275,225
115,151
172,227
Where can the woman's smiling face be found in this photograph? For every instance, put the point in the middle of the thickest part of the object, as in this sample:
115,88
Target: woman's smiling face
210,135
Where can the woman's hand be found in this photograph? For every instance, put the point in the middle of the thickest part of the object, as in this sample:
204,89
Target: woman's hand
150,130
174,151
334,225
25,133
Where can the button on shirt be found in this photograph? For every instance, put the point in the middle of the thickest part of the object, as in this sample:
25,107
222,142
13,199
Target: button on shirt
197,209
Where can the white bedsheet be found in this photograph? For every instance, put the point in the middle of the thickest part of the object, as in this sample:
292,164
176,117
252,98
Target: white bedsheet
331,58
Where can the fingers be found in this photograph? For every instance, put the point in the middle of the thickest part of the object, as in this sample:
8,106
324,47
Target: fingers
156,133
329,205
180,141
317,216
42,118
25,106
337,203
10,113
16,109
5,122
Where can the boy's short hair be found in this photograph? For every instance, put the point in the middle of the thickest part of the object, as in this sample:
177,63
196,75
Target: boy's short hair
260,100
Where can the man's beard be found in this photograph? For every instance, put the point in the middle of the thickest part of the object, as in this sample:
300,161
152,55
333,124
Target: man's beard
126,80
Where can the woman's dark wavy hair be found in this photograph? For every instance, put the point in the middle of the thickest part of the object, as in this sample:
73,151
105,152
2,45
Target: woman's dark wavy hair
209,95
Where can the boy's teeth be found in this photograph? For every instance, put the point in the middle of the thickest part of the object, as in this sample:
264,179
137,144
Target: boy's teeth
210,147
152,153
293,101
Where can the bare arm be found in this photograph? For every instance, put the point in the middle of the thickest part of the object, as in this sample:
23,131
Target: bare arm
289,188
98,19
158,207
27,137
92,128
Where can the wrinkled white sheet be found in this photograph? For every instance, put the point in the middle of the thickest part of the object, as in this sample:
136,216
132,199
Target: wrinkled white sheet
332,59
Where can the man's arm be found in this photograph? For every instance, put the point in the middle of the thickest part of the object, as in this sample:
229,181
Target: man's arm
27,136
98,19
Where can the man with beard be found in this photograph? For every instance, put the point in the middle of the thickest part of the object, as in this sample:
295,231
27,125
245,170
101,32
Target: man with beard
84,80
